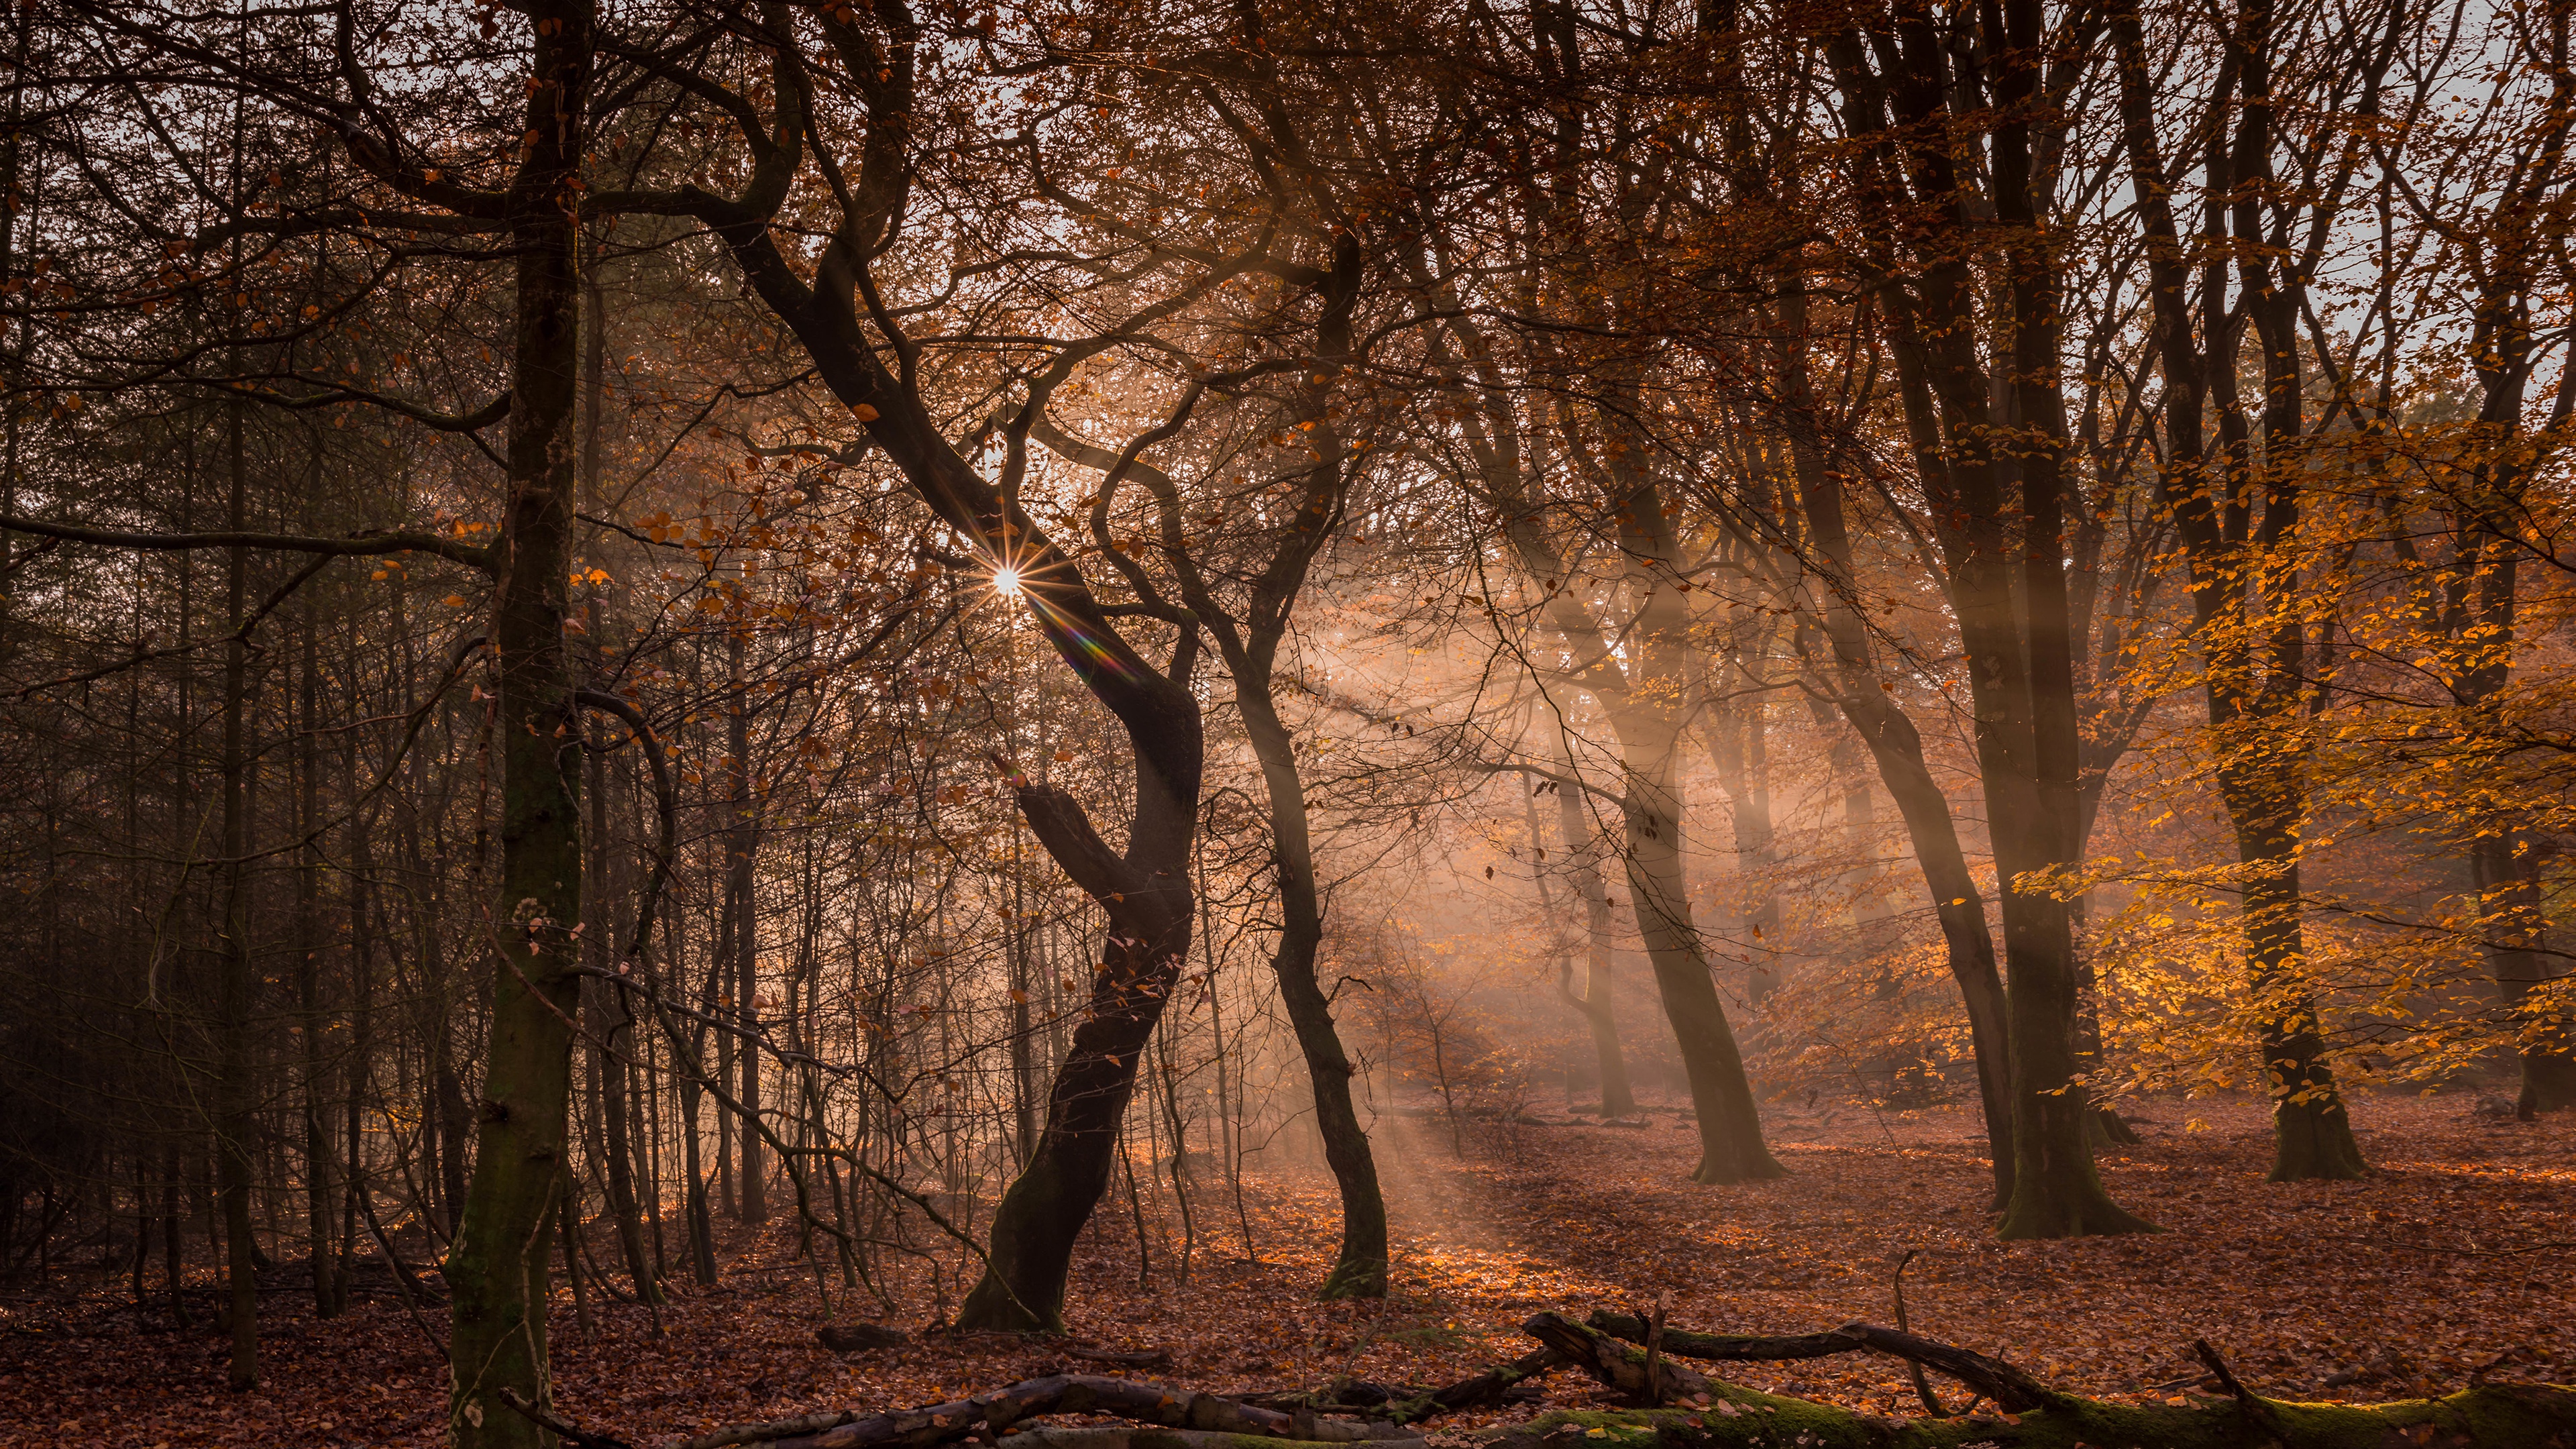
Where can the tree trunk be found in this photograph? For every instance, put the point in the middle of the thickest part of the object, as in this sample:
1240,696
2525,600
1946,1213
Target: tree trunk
1896,748
1740,749
1360,1268
2312,1131
2508,875
239,981
1597,1003
1730,1127
497,1266
1044,1210
321,1177
742,851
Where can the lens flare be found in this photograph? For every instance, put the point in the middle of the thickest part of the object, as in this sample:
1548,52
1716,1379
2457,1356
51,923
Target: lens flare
1006,581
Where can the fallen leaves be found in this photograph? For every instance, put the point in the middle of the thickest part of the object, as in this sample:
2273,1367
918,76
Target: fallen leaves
2312,1290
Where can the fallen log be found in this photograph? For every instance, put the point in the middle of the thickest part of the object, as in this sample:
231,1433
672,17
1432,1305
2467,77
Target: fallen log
2491,1416
1144,1436
2487,1416
1703,1413
998,1411
1615,1364
1142,1358
1359,1398
2010,1388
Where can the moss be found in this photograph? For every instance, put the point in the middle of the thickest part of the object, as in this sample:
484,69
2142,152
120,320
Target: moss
2496,1416
1356,1277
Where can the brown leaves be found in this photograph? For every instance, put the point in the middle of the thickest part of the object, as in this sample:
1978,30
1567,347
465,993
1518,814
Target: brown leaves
1573,1218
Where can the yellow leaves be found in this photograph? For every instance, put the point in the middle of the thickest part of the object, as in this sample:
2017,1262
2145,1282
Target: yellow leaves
864,413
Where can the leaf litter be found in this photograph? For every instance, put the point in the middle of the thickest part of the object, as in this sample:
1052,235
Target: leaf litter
2449,1260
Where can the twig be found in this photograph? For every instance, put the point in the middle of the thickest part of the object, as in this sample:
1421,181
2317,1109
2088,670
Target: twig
411,1291
555,1423
1913,1370
1147,1358
2256,1410
2553,1246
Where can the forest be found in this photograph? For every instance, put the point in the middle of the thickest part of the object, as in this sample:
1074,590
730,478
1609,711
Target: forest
1254,724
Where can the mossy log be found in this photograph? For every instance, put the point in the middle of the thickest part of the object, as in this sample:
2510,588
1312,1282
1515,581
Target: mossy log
1697,1412
1001,1410
1989,1378
1722,1416
2491,1416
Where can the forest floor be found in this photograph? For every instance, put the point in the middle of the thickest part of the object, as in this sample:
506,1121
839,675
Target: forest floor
2398,1286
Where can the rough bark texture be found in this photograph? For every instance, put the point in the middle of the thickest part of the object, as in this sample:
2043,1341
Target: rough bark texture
497,1266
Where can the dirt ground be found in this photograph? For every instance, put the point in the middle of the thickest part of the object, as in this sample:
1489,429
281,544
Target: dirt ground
2452,1256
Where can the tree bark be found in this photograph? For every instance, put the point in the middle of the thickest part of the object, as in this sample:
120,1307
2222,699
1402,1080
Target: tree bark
497,1266
321,1177
742,971
238,980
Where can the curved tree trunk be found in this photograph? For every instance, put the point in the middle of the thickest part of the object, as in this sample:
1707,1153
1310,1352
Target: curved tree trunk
1360,1268
1896,747
1730,1126
1247,638
1046,1206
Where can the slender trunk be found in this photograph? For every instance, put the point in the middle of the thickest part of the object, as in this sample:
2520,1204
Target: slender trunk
362,989
321,1178
1360,1266
742,849
613,1016
1024,1094
1597,1003
455,1115
2211,502
568,1229
1740,749
2507,870
1730,1126
174,1237
702,1238
234,1087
